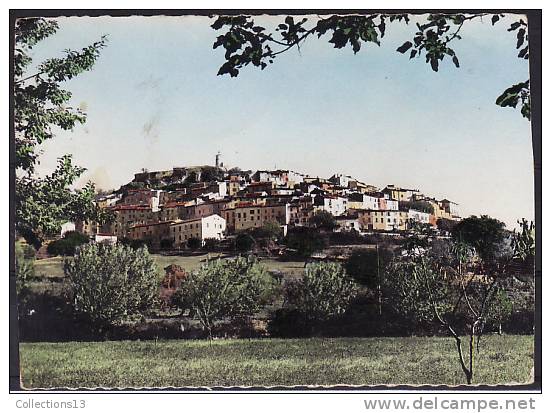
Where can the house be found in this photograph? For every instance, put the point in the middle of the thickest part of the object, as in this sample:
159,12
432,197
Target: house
399,194
280,177
419,216
104,201
382,220
155,232
451,208
348,222
335,205
149,197
105,239
130,215
178,195
212,226
256,187
246,215
358,200
67,227
192,210
234,185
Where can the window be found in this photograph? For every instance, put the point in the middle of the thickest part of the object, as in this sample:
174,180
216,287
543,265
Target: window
251,211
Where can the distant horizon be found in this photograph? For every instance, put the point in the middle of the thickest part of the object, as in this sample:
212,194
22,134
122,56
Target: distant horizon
153,100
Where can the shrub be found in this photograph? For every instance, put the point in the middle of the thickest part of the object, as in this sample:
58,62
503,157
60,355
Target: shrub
211,244
305,241
68,244
244,242
288,323
194,243
500,309
485,234
111,283
233,289
270,230
136,243
167,243
24,267
323,292
366,265
323,220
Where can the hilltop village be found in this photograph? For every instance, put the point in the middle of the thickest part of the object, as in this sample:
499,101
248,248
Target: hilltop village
209,202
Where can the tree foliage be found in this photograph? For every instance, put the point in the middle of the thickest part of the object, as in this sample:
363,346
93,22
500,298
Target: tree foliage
247,43
68,244
112,283
41,106
24,268
235,288
323,220
446,287
194,243
305,241
366,265
485,234
324,291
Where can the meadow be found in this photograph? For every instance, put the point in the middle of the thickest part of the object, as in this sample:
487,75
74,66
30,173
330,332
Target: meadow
271,362
52,268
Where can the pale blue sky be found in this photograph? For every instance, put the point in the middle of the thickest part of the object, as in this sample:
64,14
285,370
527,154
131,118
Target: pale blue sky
154,100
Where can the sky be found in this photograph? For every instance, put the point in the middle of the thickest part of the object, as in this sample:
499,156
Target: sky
154,101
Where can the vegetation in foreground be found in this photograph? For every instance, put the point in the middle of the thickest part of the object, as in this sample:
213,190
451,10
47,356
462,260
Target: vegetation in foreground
270,362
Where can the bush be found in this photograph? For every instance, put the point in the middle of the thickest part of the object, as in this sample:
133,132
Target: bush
366,265
323,292
305,241
271,230
24,267
68,244
111,283
194,243
289,323
323,220
136,243
346,238
167,243
233,289
244,242
211,244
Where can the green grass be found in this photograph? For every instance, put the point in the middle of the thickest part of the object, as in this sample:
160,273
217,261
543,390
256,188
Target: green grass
49,267
271,362
53,267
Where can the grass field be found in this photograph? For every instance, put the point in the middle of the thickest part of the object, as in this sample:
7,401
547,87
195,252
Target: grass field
53,267
271,362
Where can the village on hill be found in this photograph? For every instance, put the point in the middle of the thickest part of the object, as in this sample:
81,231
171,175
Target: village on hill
171,207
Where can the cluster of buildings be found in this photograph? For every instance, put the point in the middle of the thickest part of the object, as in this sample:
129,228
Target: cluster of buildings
197,203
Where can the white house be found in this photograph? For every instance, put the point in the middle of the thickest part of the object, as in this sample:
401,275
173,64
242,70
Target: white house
212,226
335,205
392,204
106,239
67,227
419,216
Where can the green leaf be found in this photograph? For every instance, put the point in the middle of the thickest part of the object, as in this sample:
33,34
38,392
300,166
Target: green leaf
455,61
405,47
